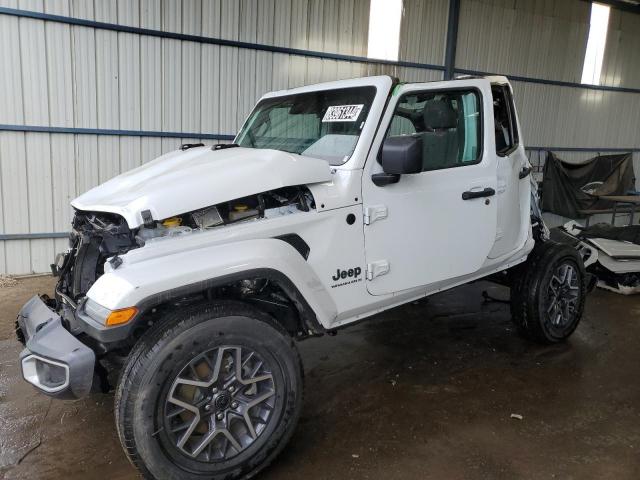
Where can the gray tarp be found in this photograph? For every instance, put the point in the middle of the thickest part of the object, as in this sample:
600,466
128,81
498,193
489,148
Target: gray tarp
568,188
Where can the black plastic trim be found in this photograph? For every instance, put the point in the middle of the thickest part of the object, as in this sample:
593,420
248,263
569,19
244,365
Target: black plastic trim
382,179
524,173
487,192
187,146
223,146
297,242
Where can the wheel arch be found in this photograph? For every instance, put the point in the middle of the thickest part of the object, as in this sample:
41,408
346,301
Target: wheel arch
147,283
307,320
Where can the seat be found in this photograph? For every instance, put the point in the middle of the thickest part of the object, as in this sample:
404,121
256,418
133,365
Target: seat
440,140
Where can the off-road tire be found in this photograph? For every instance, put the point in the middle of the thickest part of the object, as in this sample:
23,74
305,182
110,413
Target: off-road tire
530,295
157,357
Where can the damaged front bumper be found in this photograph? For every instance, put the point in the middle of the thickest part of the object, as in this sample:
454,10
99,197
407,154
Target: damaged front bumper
53,361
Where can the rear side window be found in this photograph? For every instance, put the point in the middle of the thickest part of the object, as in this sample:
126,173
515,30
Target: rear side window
506,131
512,114
449,123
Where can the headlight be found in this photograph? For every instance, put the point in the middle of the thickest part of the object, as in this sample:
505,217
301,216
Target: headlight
106,317
96,311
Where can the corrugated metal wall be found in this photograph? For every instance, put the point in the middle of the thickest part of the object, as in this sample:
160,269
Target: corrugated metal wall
546,39
621,66
423,31
127,81
54,74
534,38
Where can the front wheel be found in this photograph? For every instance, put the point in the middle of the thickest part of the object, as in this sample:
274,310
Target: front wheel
214,392
548,293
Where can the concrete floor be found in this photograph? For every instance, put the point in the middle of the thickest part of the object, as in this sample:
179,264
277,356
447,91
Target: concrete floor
425,391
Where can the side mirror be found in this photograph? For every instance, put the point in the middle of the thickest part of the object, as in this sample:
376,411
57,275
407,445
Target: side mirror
402,154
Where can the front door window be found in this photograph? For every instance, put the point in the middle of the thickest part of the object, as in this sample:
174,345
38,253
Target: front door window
449,123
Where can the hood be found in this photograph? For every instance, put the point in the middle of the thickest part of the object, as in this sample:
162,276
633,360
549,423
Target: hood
180,182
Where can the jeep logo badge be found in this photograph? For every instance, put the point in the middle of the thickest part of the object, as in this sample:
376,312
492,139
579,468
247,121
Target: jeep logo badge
342,274
345,277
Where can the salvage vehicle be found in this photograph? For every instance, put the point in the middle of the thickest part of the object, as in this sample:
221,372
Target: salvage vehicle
199,271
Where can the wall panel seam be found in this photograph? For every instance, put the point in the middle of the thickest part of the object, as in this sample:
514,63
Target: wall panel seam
544,81
287,50
213,40
113,132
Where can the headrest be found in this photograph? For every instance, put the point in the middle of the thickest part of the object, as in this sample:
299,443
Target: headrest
438,114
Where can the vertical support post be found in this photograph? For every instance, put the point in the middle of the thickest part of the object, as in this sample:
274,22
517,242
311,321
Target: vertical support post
452,39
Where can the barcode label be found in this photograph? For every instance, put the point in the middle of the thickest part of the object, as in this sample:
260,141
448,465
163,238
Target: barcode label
342,113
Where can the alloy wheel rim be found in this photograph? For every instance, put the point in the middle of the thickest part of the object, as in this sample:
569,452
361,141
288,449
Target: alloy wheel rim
219,404
563,294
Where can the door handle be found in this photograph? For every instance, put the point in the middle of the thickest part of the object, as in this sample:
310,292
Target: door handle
487,192
524,173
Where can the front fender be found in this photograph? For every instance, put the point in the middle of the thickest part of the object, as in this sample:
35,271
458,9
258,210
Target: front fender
145,282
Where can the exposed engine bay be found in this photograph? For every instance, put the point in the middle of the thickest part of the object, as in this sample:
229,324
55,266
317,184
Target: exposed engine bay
98,236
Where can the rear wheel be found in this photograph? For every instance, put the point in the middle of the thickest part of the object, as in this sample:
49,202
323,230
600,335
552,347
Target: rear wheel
214,392
548,293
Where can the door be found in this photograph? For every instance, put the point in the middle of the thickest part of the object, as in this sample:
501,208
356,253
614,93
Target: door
438,224
513,171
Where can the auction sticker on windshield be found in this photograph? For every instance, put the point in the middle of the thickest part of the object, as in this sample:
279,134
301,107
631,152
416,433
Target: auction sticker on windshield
342,113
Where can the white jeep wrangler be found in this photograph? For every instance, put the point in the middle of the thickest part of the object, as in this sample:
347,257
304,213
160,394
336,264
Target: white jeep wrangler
199,270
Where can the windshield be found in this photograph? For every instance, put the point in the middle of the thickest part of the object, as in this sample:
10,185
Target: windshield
324,124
